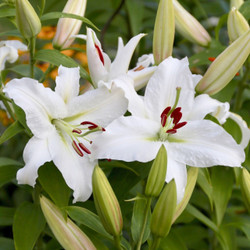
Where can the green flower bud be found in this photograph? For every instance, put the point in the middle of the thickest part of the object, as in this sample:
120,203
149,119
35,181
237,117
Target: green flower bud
192,175
66,232
157,174
164,30
164,210
245,187
237,25
27,20
106,203
236,3
225,66
189,27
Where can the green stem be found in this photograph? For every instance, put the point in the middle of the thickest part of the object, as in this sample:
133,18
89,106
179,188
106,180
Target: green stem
117,240
146,211
156,242
8,107
32,46
48,70
241,87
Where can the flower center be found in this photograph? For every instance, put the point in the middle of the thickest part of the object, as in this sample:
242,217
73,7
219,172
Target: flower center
76,133
170,119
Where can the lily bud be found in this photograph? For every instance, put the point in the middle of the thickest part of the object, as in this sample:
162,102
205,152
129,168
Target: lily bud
68,27
236,3
192,175
66,232
164,30
106,203
245,187
189,27
237,25
157,174
27,20
164,210
225,66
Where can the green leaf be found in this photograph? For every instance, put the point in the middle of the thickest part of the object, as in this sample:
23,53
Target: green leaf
6,12
24,70
53,183
56,15
222,179
138,218
28,225
222,21
11,131
201,217
87,218
6,216
8,169
6,244
233,129
245,9
56,58
226,237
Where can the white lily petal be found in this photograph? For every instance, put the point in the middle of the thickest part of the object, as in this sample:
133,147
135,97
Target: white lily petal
145,61
77,171
15,44
161,89
80,36
96,67
7,53
204,104
245,131
141,77
203,144
35,155
67,83
123,57
97,106
178,172
129,139
40,104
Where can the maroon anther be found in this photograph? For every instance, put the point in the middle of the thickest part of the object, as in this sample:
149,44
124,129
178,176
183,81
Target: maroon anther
171,131
103,129
99,53
77,130
77,149
92,125
177,117
179,125
84,148
165,111
163,120
175,112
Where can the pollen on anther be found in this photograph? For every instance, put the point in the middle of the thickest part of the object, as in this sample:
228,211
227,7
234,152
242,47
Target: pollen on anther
179,125
77,130
84,148
165,111
171,131
77,149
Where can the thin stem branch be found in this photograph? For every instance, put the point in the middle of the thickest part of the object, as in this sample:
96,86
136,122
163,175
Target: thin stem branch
106,25
32,45
117,240
48,70
146,211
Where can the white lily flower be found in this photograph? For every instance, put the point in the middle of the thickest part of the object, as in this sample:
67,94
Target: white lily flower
64,125
100,67
9,51
171,115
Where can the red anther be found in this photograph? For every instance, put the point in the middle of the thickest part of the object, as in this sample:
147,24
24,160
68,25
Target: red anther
77,149
89,123
163,120
177,117
165,111
103,129
171,131
211,59
237,74
77,130
99,53
179,125
175,112
90,142
92,127
84,148
108,160
139,68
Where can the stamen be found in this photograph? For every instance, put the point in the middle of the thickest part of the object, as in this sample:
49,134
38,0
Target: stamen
179,125
171,131
99,53
178,91
77,149
77,130
176,114
163,120
139,68
84,148
165,111
93,125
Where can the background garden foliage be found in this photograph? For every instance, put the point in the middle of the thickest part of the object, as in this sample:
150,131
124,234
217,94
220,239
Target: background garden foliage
217,216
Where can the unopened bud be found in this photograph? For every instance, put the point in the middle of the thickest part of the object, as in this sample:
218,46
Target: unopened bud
164,30
66,232
245,187
27,20
68,27
189,27
164,210
236,3
225,66
192,175
157,174
106,203
237,25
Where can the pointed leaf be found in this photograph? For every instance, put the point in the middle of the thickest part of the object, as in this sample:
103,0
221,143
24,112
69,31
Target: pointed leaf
6,216
6,244
28,225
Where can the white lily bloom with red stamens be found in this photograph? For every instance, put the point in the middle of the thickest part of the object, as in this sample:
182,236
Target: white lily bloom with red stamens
171,115
63,126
